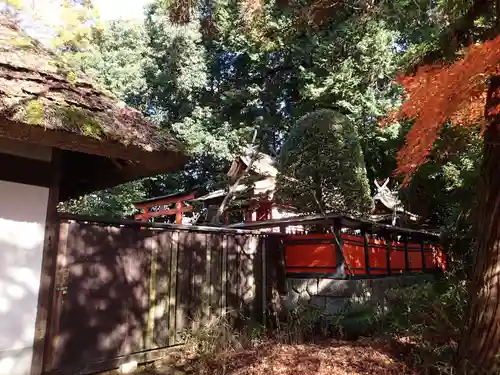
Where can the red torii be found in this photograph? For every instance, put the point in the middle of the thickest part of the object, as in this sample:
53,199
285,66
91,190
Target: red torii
146,205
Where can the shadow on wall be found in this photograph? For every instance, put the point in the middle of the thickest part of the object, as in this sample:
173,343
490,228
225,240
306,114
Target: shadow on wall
125,290
19,281
22,228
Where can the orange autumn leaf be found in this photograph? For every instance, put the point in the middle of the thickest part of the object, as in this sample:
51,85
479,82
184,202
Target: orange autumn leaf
439,93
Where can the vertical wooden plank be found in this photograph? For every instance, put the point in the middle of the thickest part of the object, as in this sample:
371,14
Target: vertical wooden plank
232,277
246,280
50,244
216,275
189,254
207,282
240,241
133,252
151,245
255,265
182,307
258,278
173,294
197,248
274,284
184,301
262,247
163,274
147,298
224,281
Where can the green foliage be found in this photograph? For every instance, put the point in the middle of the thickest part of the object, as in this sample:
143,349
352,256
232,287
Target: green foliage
216,78
116,61
177,73
421,322
213,88
78,27
322,160
12,8
17,4
433,310
114,202
444,191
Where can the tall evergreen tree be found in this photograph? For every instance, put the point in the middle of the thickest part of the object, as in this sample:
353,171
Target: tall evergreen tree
322,166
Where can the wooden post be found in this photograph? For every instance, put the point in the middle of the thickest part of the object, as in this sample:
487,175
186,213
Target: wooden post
367,251
139,216
178,214
265,280
224,276
422,249
339,255
280,246
46,313
59,284
388,252
407,258
254,215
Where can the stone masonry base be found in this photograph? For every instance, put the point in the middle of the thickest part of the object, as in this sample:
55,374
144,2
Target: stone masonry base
332,295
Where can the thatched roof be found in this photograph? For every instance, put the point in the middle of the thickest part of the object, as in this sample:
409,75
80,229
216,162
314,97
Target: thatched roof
263,164
43,101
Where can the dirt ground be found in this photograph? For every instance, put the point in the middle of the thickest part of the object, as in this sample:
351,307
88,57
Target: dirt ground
363,357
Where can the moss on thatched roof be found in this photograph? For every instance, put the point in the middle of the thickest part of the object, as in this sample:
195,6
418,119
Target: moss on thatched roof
37,88
103,142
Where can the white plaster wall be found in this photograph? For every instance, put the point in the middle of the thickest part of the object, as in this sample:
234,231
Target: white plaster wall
23,211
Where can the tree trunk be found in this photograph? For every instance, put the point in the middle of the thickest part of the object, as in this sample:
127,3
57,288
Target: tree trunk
480,342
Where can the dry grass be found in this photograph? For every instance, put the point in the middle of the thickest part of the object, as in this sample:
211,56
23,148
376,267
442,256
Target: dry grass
416,333
333,357
322,359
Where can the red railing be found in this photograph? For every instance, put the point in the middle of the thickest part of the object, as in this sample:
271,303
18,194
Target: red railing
363,255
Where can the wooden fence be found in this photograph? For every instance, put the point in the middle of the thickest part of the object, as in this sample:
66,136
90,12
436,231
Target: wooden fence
126,288
366,255
360,249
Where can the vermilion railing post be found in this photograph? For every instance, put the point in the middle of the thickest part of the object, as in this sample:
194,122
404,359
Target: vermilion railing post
178,212
387,238
367,251
388,252
407,257
422,249
340,260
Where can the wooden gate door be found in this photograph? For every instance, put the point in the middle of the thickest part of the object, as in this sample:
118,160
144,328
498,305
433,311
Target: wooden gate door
100,298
